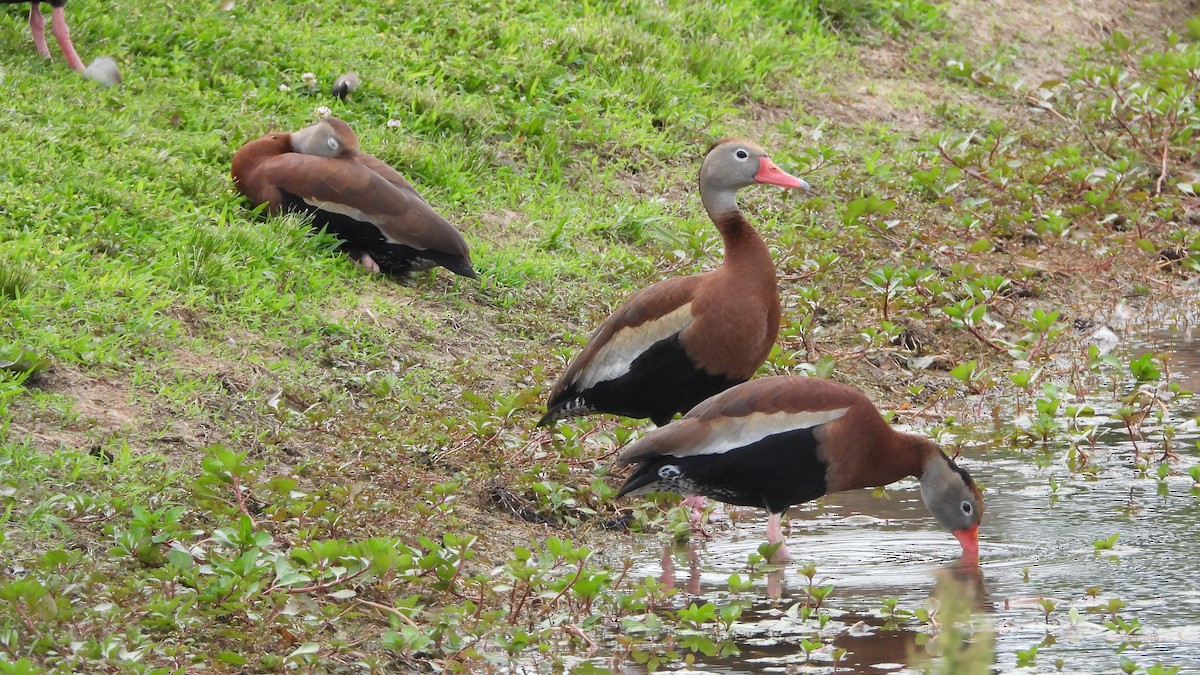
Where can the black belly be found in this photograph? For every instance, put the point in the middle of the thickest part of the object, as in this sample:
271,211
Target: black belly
660,383
358,238
773,473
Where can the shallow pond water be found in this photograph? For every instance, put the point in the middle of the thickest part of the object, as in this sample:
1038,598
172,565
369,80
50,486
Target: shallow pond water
1036,542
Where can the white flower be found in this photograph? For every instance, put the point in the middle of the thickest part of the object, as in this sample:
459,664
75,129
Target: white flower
323,111
393,124
309,79
284,87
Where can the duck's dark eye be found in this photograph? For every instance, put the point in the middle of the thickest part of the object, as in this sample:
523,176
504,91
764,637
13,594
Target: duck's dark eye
966,507
741,154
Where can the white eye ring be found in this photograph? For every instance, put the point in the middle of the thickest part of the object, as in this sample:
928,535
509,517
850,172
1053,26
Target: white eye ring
742,154
966,508
333,144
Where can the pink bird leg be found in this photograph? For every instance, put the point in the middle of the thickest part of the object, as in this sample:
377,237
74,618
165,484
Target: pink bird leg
58,26
37,26
775,536
695,506
368,263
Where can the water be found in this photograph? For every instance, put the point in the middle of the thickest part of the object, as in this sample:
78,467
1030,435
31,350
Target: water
1036,542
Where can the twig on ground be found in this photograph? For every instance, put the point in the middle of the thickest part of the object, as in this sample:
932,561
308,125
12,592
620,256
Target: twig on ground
965,169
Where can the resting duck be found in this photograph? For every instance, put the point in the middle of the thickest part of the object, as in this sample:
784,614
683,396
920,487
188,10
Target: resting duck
778,441
384,224
674,344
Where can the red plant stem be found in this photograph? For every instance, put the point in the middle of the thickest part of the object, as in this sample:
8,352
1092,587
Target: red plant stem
624,573
975,331
28,620
1129,429
992,154
236,482
578,573
965,169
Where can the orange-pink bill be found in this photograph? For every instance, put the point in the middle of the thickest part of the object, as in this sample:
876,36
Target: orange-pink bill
969,539
771,174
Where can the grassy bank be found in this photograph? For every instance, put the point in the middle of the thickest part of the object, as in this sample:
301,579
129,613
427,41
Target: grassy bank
236,449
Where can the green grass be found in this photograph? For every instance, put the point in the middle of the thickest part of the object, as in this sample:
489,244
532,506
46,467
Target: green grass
247,453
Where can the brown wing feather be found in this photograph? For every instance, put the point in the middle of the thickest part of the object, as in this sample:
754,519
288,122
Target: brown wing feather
647,304
784,393
386,172
400,214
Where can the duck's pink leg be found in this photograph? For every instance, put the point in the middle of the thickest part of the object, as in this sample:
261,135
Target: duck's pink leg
368,263
58,25
695,506
775,536
37,26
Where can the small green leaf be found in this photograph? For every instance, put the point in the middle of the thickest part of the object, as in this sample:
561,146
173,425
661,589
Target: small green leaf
824,367
17,359
964,372
305,649
737,584
232,658
980,246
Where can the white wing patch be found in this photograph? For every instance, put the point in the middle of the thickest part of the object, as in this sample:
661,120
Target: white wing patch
732,433
351,212
615,358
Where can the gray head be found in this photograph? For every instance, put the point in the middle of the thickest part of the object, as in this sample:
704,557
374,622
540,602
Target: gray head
734,163
331,137
954,500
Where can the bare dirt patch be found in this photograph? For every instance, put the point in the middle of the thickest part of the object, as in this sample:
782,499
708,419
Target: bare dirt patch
96,410
884,88
889,85
93,409
1043,35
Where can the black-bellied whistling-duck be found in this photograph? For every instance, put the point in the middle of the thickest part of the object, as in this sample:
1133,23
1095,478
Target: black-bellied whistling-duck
674,344
384,224
103,70
778,441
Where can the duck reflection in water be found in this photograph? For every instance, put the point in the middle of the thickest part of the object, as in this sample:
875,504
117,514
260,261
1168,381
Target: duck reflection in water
962,578
691,584
775,575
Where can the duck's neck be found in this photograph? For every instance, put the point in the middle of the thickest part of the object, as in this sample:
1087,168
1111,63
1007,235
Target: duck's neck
719,203
930,464
255,152
743,244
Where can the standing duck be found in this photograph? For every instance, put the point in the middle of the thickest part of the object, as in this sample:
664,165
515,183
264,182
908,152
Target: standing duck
58,26
674,344
784,440
103,69
384,224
